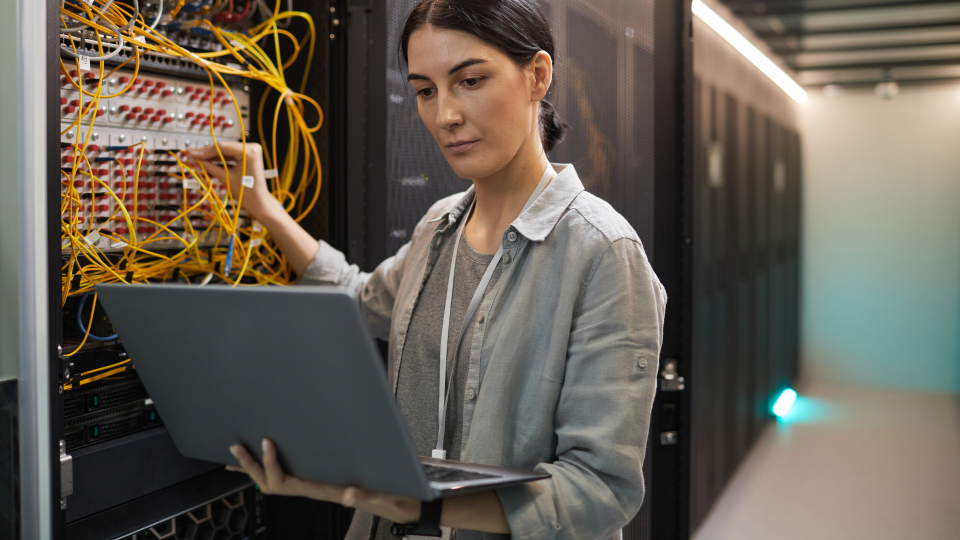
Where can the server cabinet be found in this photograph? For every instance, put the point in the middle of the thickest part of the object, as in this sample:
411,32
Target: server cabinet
134,483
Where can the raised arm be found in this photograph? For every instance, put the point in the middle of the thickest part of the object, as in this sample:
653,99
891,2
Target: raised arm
315,261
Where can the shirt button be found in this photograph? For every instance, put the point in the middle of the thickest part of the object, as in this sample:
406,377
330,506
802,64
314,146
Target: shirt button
506,258
471,394
643,362
511,236
481,318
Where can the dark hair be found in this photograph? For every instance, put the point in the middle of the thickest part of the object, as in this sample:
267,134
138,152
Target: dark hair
516,27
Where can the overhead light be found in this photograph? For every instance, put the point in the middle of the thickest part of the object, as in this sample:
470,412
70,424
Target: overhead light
887,90
784,402
832,90
749,50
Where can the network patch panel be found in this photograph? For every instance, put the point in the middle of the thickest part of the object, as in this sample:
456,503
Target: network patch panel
155,103
133,146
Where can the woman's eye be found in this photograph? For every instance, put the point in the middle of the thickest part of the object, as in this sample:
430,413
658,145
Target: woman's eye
472,82
425,92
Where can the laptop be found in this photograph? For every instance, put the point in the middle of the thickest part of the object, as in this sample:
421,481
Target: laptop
293,364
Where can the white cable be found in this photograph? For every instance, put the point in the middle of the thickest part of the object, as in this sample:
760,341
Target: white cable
159,14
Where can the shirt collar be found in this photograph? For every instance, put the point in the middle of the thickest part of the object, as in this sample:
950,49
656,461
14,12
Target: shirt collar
542,216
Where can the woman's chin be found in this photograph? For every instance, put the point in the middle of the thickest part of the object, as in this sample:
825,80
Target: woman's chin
472,167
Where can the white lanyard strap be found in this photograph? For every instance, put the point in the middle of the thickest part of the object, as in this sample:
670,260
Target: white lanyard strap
439,452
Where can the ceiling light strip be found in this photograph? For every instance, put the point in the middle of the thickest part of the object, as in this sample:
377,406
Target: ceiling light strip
749,51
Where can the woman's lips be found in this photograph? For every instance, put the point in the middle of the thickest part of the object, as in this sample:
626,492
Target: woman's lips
459,148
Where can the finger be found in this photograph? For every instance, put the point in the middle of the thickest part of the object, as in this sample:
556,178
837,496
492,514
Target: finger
234,468
214,169
349,497
271,464
227,148
249,465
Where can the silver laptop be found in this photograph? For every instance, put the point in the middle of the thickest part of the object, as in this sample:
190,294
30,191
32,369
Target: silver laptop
296,365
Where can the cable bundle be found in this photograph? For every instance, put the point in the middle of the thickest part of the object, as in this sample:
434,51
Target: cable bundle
228,246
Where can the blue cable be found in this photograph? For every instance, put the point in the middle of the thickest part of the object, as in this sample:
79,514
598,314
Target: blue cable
83,300
229,262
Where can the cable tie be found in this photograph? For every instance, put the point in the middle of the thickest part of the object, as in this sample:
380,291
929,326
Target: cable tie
287,96
198,60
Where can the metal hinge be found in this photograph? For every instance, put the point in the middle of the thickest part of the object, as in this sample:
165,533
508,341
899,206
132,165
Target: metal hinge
66,475
670,380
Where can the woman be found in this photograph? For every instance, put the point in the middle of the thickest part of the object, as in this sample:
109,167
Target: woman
555,368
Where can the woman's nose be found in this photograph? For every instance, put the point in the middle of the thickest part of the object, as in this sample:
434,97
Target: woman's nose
448,111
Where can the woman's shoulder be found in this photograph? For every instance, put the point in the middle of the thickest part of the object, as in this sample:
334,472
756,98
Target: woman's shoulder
589,213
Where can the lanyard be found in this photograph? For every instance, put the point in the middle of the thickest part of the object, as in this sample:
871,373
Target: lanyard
439,452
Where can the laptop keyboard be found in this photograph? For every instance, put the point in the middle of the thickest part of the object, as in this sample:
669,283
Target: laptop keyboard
448,474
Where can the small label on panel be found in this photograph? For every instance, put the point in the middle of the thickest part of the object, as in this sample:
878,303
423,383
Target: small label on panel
118,245
84,62
92,238
271,173
257,226
191,183
256,242
247,181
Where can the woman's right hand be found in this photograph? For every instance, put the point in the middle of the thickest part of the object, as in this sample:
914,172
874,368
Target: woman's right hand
297,245
254,199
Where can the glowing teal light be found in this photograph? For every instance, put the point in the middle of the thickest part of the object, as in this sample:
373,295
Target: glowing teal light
784,402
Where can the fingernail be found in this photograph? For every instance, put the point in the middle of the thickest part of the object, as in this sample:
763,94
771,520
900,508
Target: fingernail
233,450
263,445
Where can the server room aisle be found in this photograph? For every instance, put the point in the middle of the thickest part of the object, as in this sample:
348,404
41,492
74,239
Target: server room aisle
849,463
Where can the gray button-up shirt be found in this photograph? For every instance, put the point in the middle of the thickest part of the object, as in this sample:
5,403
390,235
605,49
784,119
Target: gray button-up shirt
567,342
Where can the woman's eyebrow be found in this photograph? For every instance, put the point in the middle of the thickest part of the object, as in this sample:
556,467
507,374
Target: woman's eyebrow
466,63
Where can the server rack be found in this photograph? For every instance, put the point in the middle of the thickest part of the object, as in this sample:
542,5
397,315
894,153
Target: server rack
138,485
746,215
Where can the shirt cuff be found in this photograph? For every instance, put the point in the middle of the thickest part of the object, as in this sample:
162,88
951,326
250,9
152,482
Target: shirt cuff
529,511
326,267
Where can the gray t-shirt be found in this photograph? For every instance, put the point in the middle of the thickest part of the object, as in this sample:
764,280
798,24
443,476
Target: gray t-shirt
418,380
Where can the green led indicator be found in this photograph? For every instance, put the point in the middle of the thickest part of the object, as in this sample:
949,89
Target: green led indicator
96,401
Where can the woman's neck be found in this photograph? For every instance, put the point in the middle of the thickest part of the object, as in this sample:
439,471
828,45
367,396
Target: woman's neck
500,198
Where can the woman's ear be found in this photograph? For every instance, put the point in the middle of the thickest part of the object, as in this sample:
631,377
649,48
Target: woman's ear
541,69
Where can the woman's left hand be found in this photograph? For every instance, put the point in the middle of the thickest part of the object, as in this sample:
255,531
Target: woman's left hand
274,481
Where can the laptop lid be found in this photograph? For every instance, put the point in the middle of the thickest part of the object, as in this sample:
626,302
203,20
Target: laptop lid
297,365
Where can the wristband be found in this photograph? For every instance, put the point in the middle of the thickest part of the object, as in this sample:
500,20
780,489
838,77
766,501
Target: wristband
429,524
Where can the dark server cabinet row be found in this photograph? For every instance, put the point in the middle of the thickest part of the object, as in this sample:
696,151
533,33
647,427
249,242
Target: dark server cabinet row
746,283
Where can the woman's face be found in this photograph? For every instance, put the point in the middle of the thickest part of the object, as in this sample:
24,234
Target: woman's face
477,103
